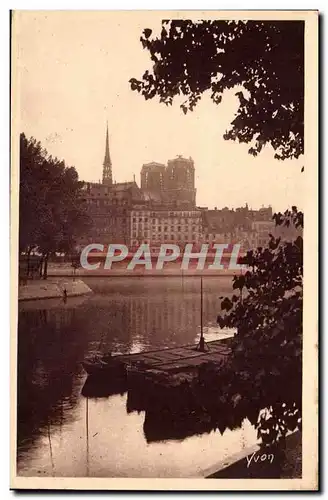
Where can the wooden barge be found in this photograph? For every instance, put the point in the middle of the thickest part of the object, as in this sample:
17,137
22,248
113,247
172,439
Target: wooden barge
177,359
168,364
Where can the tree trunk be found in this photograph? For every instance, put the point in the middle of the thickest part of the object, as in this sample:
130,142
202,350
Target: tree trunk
45,269
41,266
28,261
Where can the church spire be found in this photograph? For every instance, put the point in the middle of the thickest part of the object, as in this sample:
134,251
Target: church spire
107,165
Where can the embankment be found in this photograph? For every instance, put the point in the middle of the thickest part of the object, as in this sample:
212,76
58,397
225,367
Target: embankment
254,463
52,288
65,270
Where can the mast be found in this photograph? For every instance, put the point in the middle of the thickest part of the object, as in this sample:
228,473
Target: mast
50,448
201,340
87,433
201,308
201,345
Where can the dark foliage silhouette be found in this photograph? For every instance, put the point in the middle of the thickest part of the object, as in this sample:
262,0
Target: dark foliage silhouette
266,364
52,212
264,60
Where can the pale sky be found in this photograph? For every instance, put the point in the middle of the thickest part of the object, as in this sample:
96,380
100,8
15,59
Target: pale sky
75,71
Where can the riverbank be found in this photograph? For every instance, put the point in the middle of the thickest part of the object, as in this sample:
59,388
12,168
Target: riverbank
65,270
52,288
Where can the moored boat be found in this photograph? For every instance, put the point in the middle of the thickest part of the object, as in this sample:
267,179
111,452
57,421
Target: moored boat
103,365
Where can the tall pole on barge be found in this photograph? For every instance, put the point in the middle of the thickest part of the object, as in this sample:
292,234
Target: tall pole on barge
87,434
201,308
201,341
201,345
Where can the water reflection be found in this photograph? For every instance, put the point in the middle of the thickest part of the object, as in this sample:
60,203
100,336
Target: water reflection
197,418
123,315
99,387
48,370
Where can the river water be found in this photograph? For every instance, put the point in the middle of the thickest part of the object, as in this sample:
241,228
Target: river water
62,433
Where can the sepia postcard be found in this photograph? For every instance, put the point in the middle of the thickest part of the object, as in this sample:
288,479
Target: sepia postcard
164,250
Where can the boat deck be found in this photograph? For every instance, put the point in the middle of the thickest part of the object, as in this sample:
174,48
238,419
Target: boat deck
182,357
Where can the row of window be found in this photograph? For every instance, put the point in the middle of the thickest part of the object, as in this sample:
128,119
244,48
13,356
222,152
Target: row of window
141,221
159,228
97,203
166,239
172,237
181,213
216,236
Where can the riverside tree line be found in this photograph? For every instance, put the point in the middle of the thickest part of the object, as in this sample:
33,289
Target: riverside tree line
51,208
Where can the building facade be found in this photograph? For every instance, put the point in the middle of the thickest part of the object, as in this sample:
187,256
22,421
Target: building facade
247,227
157,225
109,215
